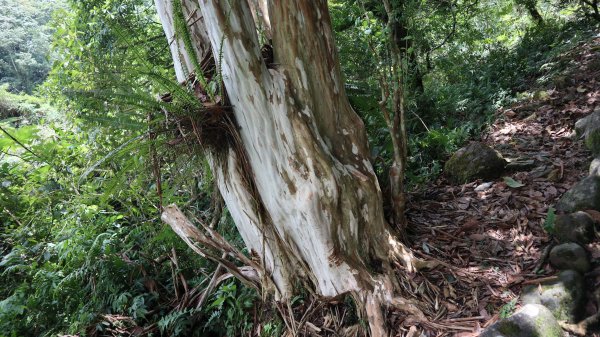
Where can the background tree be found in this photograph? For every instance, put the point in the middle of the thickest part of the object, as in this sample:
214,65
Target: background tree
589,8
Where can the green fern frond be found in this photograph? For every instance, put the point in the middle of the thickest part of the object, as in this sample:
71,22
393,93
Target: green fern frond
181,30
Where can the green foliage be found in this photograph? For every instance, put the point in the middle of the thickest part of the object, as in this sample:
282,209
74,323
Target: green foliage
463,62
508,308
229,310
510,182
24,108
24,42
82,248
111,62
72,261
548,224
427,151
272,329
472,85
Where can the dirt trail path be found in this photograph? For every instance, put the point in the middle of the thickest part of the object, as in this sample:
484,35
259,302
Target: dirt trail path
490,235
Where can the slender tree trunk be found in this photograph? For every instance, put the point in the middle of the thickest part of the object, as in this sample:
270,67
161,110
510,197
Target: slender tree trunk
535,14
393,95
531,7
593,4
298,182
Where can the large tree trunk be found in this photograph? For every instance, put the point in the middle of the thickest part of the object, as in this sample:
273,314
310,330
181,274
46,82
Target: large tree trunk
298,184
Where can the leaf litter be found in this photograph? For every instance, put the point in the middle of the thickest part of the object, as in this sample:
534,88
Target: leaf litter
489,236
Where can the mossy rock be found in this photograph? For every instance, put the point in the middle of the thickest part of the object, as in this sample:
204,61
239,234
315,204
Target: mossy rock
594,170
569,256
589,129
576,227
592,142
532,320
562,82
564,297
582,196
474,161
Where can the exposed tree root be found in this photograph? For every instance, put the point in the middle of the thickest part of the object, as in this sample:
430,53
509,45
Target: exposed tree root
208,243
582,327
374,307
382,298
404,256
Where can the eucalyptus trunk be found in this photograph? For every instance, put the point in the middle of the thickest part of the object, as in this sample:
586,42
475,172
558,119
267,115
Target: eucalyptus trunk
299,185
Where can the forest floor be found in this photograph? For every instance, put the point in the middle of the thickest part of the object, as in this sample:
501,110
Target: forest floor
488,236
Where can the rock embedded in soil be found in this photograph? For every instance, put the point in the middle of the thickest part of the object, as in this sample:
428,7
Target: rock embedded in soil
532,320
594,168
576,227
474,161
583,195
520,164
562,82
569,256
483,187
589,129
564,297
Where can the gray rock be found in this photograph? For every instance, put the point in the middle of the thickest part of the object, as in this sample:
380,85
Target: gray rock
564,297
595,168
532,320
540,171
484,186
474,161
562,82
576,227
520,164
582,196
569,256
589,129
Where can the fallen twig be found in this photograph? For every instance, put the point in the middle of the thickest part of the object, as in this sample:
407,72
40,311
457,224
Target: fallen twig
541,280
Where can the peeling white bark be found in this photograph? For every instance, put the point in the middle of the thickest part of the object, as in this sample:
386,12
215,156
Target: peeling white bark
315,210
260,13
182,60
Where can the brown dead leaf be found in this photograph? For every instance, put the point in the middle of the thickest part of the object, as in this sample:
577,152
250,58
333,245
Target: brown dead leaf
412,332
469,225
554,175
451,307
551,192
594,214
505,256
468,334
478,237
514,279
594,250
